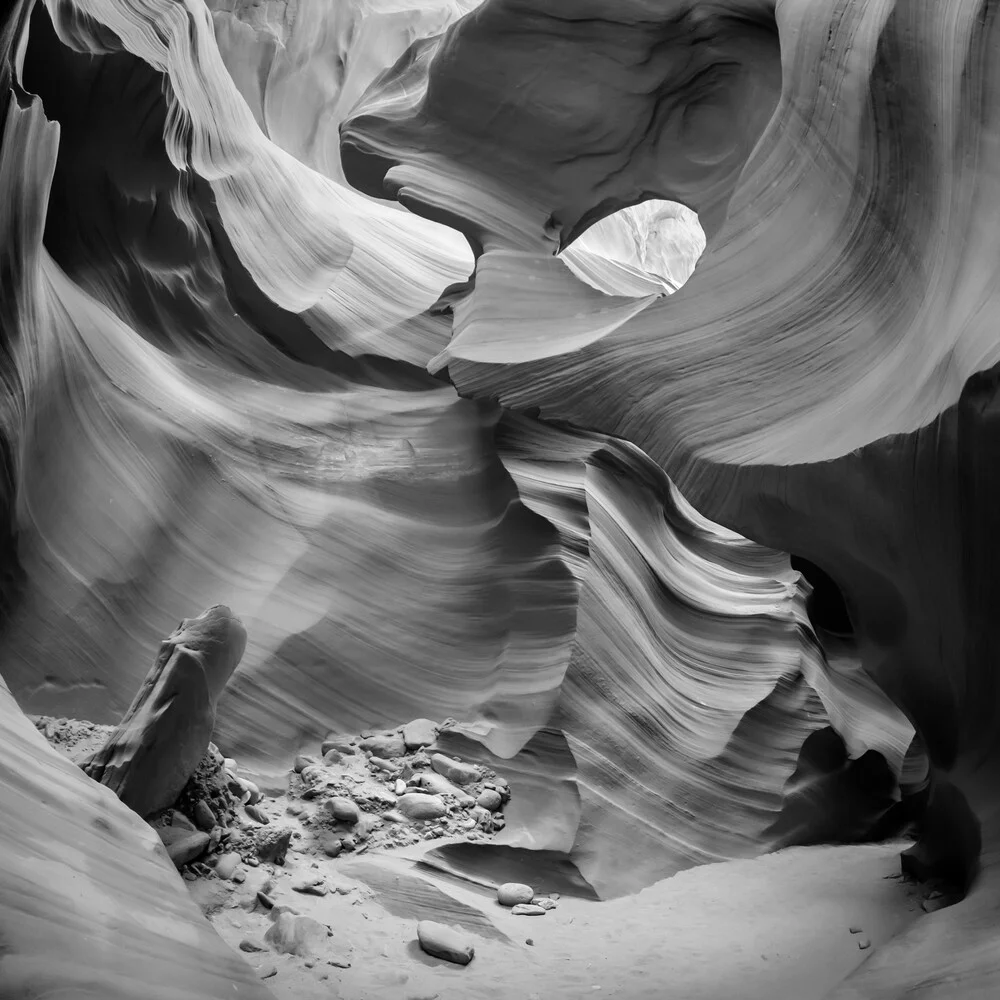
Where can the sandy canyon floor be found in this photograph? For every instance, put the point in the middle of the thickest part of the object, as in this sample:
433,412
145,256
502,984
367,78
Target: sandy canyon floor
786,926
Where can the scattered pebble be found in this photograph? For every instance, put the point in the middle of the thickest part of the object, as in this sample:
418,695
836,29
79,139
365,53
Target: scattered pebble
256,813
453,770
312,885
864,944
513,893
445,942
417,806
855,930
272,843
293,934
387,747
529,941
489,799
332,846
204,818
226,865
249,944
343,809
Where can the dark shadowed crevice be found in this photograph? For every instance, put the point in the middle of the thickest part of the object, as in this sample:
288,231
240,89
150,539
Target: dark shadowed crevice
826,606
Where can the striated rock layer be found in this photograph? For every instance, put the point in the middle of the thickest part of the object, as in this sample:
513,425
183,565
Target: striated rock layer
216,387
825,381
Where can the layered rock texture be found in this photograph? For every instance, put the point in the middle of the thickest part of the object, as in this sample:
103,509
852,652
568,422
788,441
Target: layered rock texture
382,325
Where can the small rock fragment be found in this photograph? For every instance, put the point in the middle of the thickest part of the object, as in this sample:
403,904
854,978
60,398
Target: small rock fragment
489,799
417,806
312,885
183,846
343,809
256,813
388,747
293,934
381,763
272,843
344,744
527,910
454,770
301,763
267,971
419,733
348,843
333,756
855,930
438,784
513,893
445,942
528,941
400,787
544,902
226,864
332,846
265,900
864,944
251,945
239,876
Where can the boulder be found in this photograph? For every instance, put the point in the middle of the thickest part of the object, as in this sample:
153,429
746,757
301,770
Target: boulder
512,893
445,942
454,770
164,734
419,733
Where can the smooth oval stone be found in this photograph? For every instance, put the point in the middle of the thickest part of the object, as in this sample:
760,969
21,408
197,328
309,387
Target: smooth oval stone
455,770
512,893
489,799
226,864
343,809
418,806
388,747
445,942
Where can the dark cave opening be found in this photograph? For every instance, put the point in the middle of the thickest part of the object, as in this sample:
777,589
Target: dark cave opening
826,605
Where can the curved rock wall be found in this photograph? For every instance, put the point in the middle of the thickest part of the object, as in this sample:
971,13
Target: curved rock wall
216,389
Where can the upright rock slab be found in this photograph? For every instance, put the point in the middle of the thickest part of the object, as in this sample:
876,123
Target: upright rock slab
164,734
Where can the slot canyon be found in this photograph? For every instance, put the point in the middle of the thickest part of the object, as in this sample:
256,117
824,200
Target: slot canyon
496,499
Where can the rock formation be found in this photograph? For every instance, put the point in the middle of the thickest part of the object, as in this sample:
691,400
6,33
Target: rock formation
373,327
149,758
